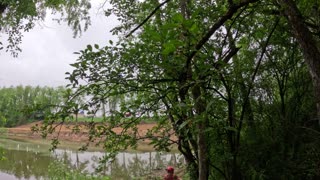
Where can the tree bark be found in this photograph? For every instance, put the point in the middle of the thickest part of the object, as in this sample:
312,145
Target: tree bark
186,76
200,107
308,44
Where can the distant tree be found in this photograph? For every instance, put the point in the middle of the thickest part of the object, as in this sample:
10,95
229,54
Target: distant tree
21,105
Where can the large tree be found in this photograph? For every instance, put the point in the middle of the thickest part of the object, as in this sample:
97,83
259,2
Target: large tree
220,78
304,18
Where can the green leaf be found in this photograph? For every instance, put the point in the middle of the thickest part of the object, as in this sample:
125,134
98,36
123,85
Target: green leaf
194,28
184,124
169,48
89,47
178,17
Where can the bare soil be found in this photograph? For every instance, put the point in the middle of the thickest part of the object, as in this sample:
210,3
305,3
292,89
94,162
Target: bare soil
65,134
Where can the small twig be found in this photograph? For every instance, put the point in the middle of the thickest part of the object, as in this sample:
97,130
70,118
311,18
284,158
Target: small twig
102,5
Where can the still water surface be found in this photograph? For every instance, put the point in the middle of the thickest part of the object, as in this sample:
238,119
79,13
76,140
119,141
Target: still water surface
24,160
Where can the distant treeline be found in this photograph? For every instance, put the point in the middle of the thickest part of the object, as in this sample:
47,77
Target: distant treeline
24,104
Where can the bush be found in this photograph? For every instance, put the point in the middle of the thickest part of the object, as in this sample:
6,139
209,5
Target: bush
59,170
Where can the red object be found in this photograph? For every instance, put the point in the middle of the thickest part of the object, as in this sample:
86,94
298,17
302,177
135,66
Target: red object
170,175
170,169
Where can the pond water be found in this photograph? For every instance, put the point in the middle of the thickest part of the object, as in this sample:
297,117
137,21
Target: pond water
24,160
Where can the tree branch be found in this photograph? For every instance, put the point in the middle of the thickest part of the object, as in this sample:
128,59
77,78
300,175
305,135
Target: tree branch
146,19
246,100
232,10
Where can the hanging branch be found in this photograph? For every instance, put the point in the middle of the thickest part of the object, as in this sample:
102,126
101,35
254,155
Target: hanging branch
146,19
232,10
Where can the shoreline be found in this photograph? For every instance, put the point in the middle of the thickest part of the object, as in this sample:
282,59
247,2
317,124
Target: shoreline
69,140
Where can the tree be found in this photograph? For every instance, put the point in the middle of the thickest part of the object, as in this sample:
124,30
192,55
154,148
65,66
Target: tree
20,16
222,77
21,105
169,82
305,26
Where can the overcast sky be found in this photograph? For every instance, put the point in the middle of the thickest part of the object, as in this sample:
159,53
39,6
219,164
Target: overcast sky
48,50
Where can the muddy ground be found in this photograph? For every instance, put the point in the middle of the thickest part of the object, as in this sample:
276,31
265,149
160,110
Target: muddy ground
64,134
65,130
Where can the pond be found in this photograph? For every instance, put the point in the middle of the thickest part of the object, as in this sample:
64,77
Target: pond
24,160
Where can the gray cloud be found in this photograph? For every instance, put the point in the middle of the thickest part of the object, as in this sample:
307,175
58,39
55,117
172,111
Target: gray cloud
47,51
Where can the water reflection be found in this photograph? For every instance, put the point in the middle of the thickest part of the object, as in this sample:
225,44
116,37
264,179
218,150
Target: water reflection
31,161
125,166
25,164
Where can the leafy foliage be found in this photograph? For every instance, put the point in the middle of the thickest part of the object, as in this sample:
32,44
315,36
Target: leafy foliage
60,170
21,105
20,16
224,80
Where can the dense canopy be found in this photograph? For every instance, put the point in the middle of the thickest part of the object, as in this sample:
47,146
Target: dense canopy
236,81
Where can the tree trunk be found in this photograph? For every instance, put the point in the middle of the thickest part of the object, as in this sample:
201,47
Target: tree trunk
203,160
186,75
203,152
308,44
